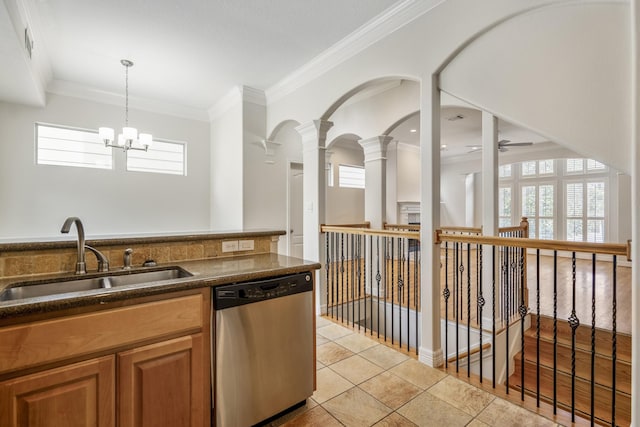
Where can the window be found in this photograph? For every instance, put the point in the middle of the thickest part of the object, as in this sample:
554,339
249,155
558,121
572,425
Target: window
533,191
64,146
580,166
545,167
162,157
586,224
351,176
528,168
504,206
538,207
504,171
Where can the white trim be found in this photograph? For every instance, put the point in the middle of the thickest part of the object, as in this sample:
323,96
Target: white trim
378,28
224,104
435,359
65,88
253,95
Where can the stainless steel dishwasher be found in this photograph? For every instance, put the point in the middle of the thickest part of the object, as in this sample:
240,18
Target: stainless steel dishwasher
263,348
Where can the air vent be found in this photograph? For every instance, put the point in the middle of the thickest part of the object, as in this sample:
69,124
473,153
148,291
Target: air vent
28,43
456,117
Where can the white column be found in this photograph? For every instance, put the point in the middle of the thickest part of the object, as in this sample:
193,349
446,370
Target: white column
375,173
430,351
489,212
635,205
314,135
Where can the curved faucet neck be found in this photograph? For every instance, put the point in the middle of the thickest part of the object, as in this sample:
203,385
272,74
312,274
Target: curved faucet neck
80,264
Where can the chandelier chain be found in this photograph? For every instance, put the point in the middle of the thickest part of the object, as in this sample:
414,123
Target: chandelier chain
126,96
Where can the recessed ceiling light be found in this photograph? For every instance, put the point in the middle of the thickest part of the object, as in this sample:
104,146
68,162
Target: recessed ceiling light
443,146
413,130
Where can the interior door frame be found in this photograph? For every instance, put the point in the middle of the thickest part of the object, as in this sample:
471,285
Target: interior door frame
290,163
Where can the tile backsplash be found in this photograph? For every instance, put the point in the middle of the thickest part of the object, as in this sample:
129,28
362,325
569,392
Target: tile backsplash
18,263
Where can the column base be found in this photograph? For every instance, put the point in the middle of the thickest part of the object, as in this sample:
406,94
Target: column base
435,359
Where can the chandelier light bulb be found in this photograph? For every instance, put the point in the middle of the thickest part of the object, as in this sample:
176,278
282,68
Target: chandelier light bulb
129,138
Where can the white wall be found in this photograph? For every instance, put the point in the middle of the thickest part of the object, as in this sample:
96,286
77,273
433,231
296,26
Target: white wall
227,170
345,205
551,72
36,199
408,177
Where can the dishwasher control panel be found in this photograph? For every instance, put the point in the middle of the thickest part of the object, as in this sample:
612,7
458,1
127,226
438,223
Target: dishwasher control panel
227,296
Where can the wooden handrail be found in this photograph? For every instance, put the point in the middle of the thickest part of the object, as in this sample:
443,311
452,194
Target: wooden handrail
369,232
412,227
365,224
622,249
460,229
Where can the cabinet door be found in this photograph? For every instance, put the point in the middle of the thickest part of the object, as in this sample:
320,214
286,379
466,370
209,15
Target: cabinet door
78,395
163,384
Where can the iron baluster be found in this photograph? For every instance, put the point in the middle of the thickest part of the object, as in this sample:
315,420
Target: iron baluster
555,331
593,335
614,338
480,307
446,295
574,322
523,313
468,310
493,315
538,328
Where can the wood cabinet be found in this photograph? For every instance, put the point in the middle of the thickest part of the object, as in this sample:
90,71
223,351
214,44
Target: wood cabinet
141,363
160,384
78,395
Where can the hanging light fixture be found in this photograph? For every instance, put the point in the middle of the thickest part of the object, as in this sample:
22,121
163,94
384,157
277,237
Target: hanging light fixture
129,139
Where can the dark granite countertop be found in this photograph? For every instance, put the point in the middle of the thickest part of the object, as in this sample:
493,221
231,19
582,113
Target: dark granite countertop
208,272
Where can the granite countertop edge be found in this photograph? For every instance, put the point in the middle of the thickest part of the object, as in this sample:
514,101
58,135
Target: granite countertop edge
206,273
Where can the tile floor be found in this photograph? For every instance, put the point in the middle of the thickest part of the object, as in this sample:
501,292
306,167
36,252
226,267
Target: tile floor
364,383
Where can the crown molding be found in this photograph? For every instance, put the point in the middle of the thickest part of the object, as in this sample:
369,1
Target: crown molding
65,88
378,28
254,96
224,104
234,97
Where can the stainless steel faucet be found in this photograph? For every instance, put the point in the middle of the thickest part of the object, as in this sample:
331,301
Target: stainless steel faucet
127,259
81,265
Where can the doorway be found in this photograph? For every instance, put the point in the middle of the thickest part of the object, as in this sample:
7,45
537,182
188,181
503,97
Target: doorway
295,230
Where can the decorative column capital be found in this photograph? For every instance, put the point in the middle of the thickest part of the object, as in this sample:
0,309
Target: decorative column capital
314,132
375,148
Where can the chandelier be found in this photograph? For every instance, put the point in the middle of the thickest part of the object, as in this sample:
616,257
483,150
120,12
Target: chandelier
129,139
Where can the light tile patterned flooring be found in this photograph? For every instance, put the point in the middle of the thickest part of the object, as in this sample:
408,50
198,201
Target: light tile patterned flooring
363,383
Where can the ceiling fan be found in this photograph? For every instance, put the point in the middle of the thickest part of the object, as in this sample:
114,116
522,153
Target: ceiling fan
503,145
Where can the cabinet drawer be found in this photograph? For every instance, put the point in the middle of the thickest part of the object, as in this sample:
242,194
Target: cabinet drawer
48,341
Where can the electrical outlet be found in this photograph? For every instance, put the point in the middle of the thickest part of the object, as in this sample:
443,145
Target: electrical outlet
245,245
230,246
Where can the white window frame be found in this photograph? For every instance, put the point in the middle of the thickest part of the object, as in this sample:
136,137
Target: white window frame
343,184
534,220
135,154
585,180
90,148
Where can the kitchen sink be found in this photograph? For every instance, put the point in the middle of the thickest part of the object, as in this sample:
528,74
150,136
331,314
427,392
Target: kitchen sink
36,289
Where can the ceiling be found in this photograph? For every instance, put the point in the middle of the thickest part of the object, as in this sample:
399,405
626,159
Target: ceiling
193,52
461,127
188,52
